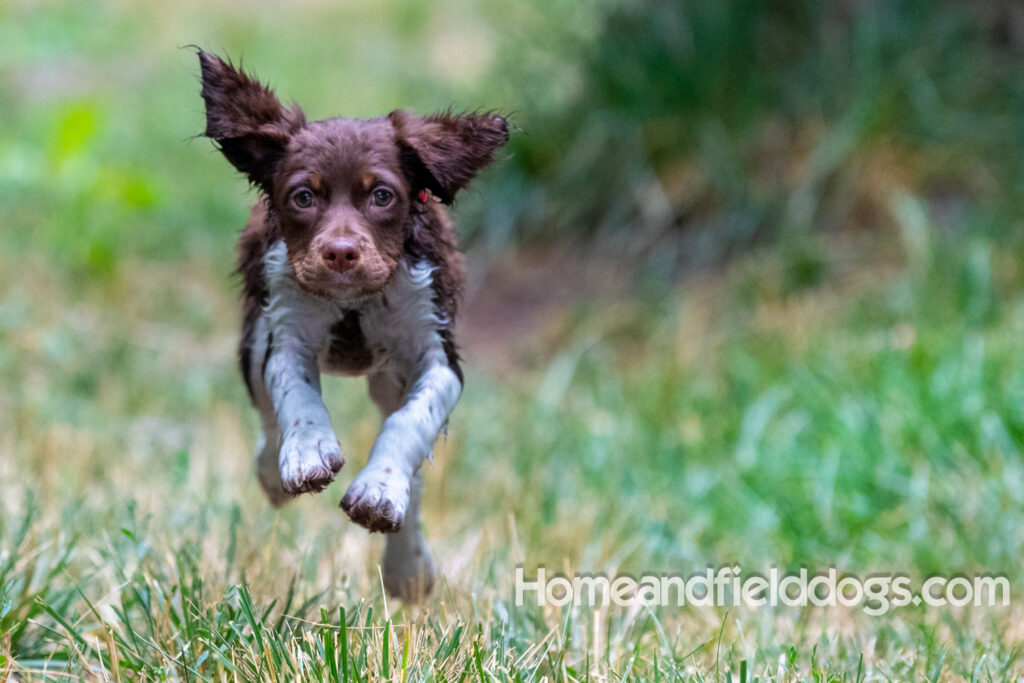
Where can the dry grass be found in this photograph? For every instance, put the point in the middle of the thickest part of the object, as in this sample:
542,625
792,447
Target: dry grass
127,442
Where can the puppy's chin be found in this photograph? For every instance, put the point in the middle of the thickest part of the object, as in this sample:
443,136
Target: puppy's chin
339,291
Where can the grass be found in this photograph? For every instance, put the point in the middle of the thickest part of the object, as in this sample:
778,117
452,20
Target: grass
872,423
845,390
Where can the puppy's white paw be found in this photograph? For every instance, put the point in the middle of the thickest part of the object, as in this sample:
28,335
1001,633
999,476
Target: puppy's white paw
378,497
309,459
408,571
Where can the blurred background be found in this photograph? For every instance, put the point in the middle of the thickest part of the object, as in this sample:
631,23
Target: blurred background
745,287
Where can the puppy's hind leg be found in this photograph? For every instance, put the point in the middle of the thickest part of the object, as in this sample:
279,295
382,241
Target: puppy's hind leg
268,470
406,566
408,571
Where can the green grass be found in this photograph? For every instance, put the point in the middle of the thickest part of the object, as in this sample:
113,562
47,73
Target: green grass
847,389
873,423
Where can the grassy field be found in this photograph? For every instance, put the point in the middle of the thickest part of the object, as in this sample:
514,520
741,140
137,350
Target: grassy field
850,397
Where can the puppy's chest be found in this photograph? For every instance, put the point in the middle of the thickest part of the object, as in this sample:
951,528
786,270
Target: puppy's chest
346,349
397,329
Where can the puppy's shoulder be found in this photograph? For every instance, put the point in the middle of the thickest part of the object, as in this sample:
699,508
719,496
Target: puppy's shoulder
257,233
253,242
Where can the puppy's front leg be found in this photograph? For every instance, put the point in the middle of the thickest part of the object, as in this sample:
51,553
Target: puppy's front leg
379,496
309,456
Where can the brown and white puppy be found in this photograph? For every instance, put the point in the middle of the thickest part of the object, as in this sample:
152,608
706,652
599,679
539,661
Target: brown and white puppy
350,266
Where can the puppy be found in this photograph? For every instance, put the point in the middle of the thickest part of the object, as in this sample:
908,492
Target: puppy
350,266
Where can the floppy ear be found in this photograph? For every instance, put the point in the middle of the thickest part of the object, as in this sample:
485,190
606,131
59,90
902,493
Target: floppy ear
443,152
246,120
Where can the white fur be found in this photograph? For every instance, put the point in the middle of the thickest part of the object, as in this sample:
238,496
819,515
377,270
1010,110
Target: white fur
407,328
405,324
309,454
410,380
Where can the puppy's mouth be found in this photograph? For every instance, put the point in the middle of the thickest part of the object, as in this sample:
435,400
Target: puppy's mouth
349,293
347,288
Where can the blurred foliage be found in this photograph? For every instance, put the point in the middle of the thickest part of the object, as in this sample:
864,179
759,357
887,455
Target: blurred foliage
670,133
700,128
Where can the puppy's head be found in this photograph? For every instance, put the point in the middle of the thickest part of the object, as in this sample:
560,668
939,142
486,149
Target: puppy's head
344,192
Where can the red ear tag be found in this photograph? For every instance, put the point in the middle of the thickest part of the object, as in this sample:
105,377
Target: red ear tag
424,196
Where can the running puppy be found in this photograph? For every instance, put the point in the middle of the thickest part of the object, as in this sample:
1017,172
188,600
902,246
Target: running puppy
350,267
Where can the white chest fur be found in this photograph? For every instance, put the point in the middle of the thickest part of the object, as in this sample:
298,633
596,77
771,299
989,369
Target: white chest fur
400,324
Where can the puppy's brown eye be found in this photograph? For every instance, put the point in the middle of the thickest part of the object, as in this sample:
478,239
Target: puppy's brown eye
303,199
382,197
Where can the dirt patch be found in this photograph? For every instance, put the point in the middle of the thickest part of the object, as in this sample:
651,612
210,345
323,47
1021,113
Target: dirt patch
517,304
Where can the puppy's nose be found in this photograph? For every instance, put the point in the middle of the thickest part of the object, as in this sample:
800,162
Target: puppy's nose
340,254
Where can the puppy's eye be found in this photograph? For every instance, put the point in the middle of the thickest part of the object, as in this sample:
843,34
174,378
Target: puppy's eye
383,197
303,199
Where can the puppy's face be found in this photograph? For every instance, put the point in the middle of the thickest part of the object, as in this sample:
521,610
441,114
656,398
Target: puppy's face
344,192
343,206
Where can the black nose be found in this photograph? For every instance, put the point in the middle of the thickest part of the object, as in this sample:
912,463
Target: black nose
340,254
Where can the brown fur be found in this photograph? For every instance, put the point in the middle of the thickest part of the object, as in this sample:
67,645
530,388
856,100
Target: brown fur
344,163
347,353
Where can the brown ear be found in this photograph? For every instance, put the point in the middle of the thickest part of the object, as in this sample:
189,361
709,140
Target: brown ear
245,119
443,152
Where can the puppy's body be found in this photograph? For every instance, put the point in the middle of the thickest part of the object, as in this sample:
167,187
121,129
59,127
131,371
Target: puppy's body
350,266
